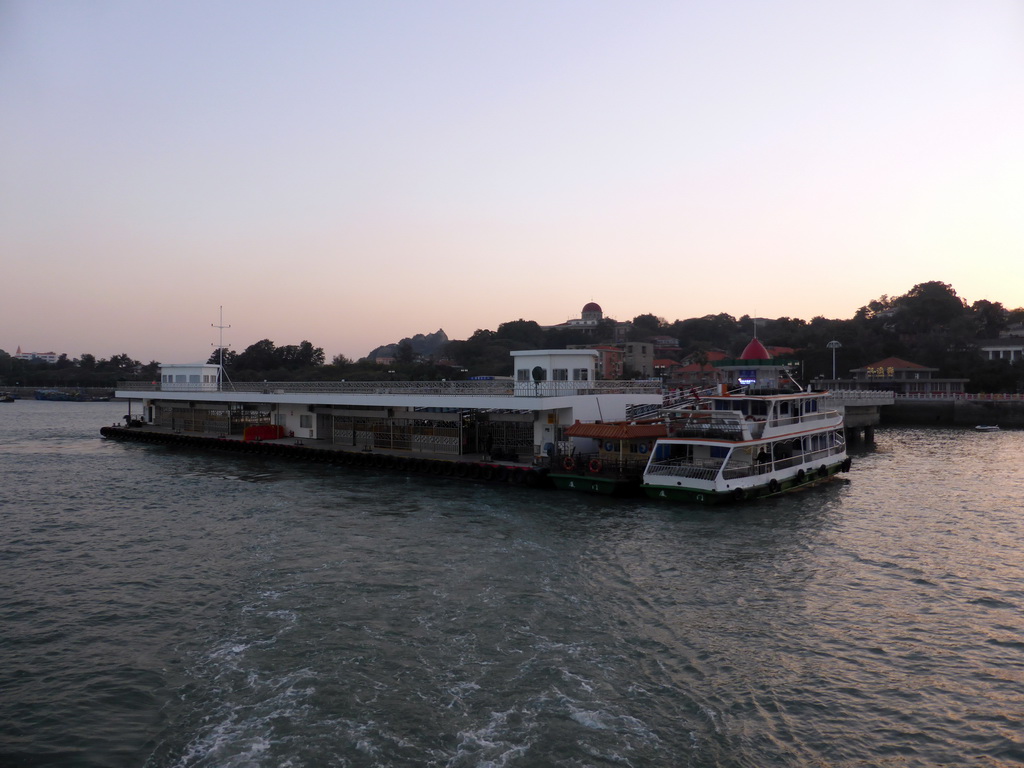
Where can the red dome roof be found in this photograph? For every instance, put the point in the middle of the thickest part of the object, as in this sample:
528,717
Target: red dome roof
755,351
592,307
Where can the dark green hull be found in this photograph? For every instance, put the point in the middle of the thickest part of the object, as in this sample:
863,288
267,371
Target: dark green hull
599,484
736,495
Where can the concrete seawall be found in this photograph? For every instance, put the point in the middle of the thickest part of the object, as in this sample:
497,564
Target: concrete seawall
955,412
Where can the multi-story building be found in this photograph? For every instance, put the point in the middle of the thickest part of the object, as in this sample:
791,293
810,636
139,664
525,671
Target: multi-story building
46,357
902,377
638,358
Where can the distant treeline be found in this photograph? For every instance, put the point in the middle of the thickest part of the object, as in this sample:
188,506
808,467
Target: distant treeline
84,371
929,325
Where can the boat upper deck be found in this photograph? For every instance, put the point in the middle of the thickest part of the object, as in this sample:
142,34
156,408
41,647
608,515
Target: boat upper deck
735,426
743,417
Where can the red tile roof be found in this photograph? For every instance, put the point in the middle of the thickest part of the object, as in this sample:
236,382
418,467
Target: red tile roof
895,362
616,431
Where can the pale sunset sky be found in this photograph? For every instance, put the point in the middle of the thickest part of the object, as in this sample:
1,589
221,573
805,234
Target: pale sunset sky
352,173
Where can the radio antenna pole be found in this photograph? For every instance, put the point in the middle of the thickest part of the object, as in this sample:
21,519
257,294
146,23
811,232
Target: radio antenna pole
220,350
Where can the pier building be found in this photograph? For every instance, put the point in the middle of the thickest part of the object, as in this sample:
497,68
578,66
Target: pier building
522,418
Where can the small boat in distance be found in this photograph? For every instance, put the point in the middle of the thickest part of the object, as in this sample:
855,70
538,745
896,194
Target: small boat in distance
987,428
69,396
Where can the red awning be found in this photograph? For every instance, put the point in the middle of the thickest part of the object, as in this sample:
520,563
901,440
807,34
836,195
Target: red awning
616,431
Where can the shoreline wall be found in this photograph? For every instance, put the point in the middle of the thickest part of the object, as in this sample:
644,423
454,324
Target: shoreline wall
1005,413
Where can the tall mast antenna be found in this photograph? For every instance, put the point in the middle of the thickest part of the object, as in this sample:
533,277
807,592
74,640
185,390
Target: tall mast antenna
220,349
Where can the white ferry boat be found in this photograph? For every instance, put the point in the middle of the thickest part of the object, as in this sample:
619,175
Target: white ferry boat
760,435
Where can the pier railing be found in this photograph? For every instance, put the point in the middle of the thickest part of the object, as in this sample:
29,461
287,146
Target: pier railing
887,397
983,397
500,388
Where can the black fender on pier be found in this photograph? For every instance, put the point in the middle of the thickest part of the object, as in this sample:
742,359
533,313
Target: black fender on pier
485,471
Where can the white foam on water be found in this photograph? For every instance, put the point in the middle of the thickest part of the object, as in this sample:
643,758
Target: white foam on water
491,745
460,691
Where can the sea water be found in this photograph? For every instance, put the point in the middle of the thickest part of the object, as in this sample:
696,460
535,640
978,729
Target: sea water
162,608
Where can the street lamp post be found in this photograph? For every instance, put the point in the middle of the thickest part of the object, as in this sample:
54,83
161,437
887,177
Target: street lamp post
833,345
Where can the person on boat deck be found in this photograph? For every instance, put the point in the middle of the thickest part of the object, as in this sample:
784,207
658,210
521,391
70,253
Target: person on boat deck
762,459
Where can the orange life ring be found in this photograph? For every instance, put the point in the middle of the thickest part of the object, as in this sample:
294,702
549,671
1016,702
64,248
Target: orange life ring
594,466
569,464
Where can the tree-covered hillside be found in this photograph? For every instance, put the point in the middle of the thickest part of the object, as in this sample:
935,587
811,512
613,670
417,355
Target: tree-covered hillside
929,325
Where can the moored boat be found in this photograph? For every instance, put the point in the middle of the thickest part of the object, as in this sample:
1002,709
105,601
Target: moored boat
739,446
607,459
987,428
760,435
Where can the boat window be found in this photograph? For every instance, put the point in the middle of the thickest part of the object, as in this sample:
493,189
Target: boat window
580,374
523,374
676,452
560,374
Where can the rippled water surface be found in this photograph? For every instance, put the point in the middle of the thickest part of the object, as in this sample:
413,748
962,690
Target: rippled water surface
161,608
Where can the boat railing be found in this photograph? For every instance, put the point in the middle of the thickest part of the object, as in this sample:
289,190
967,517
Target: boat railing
694,469
821,415
711,428
731,472
788,421
643,411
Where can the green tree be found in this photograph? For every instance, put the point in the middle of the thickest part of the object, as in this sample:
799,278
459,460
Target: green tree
719,331
230,356
405,355
874,308
989,318
310,356
121,363
646,326
524,332
928,307
261,356
483,354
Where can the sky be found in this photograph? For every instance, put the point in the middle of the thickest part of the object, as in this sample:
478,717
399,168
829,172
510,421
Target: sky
353,173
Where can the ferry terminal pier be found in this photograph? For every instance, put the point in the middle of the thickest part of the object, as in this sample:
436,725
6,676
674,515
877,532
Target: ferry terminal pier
497,427
514,428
